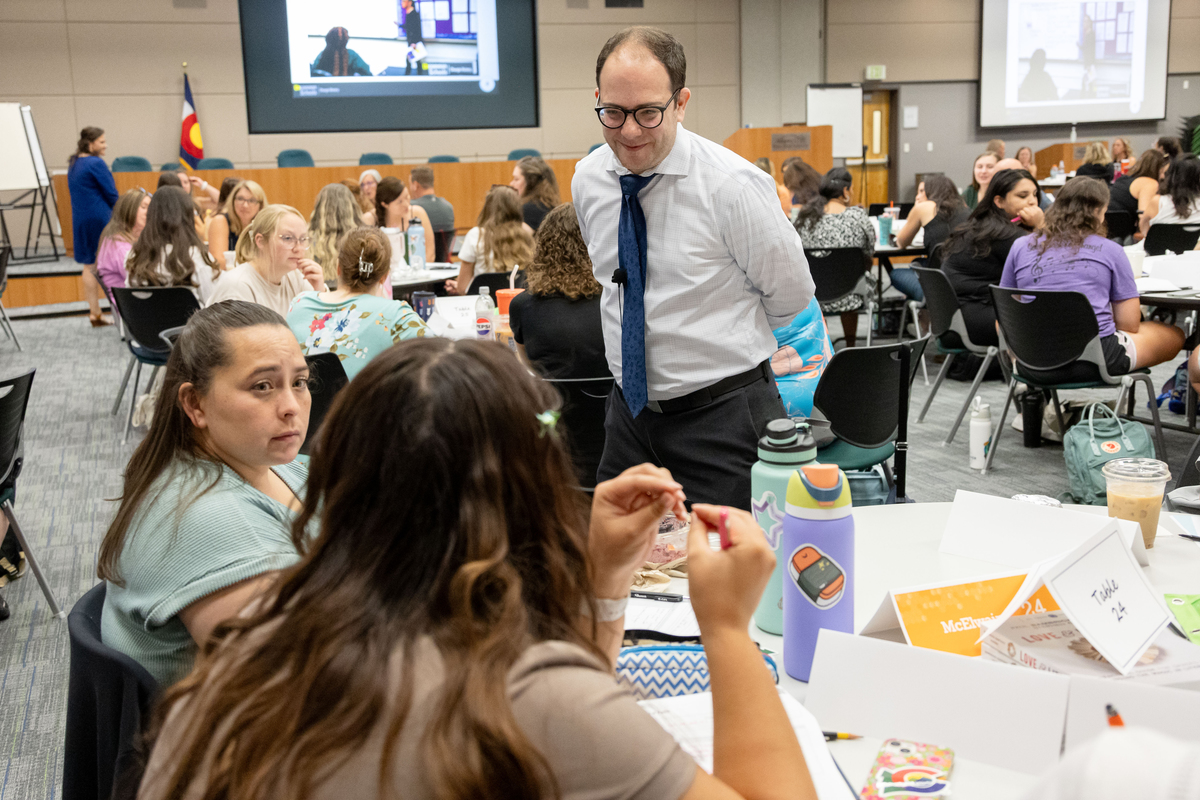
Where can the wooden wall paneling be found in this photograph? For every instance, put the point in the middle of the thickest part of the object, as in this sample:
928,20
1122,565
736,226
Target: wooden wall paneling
754,143
38,290
464,184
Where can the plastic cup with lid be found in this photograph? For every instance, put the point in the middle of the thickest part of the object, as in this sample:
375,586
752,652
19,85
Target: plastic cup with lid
1135,489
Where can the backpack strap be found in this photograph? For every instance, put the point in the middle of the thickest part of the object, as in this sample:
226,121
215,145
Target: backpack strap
1091,412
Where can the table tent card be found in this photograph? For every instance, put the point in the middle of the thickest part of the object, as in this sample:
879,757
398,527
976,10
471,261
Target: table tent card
1102,590
949,616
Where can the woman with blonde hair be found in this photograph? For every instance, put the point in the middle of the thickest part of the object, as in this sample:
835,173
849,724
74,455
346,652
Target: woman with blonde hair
785,196
451,632
118,236
241,206
365,207
358,320
1097,163
498,242
537,186
273,263
334,215
1123,155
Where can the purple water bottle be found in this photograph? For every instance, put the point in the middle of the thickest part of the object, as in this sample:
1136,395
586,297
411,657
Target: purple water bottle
817,550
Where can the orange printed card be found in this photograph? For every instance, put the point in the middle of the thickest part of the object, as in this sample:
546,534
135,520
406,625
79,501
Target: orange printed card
949,616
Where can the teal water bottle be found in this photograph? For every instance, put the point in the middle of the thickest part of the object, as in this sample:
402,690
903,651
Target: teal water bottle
781,452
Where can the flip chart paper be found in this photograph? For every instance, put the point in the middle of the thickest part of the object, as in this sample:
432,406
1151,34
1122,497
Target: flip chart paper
984,711
1109,599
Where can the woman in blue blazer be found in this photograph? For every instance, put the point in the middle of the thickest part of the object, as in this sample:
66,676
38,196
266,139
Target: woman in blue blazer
93,193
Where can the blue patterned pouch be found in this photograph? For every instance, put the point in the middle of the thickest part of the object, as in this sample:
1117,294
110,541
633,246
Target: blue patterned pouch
669,670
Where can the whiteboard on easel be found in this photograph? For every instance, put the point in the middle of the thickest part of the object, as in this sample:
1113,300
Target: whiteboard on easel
841,107
17,170
35,146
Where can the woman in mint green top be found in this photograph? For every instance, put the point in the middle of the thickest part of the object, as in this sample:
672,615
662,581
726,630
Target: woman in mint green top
358,320
210,495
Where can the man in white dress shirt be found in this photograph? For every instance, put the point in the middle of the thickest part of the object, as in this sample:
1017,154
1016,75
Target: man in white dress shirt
698,267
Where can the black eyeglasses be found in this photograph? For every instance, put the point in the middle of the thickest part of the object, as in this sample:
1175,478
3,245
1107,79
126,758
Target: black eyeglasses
645,116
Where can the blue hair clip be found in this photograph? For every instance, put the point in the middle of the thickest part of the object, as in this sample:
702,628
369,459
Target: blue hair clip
548,421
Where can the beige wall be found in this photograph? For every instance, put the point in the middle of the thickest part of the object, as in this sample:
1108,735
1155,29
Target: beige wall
938,40
116,64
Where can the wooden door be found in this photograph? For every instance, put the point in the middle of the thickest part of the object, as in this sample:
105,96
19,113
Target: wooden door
872,178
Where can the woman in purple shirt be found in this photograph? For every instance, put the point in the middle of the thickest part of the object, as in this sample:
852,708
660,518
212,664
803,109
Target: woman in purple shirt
93,194
128,220
1071,254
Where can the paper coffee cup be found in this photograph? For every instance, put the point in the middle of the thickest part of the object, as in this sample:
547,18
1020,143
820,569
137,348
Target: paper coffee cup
1135,489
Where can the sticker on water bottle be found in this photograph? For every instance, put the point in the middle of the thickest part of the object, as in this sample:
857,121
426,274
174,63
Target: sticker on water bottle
817,576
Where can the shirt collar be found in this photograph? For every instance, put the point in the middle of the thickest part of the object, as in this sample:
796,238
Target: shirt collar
676,162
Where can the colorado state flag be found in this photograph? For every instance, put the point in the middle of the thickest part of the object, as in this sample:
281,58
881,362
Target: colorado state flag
191,146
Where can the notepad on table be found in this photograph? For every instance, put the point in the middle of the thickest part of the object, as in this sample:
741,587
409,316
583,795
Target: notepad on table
672,619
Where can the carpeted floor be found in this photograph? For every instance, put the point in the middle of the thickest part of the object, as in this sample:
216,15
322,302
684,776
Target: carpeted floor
73,462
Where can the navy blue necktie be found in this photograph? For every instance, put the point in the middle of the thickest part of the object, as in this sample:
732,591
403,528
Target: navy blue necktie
631,253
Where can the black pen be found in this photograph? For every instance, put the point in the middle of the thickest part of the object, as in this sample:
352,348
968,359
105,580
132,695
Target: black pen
1191,536
665,597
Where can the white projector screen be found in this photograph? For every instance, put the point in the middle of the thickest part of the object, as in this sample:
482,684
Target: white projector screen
1045,62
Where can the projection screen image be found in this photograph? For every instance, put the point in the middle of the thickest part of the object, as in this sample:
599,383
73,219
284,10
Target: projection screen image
1066,61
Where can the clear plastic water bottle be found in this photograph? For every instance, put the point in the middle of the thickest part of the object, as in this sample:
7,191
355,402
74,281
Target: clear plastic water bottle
786,447
817,549
416,245
485,316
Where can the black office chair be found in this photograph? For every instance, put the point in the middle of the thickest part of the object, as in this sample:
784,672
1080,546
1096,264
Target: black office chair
946,323
326,377
14,400
866,403
912,308
1176,238
583,422
5,323
877,209
495,281
836,272
146,313
109,697
1120,224
1055,342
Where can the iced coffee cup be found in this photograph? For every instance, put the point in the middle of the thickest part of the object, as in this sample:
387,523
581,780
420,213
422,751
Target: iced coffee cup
1135,492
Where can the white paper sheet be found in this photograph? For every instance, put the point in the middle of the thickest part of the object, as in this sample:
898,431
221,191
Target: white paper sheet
673,619
1011,532
689,719
994,713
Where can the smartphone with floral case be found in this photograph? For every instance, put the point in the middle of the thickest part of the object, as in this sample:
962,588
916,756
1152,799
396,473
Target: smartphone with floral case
908,771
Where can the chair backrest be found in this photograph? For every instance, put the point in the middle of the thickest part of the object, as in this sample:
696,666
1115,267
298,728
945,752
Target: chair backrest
214,163
108,697
583,422
935,256
877,209
14,401
1120,224
595,147
131,164
1044,329
442,160
148,312
367,159
5,255
493,280
859,392
521,152
836,270
442,240
294,158
327,377
940,300
171,335
1176,238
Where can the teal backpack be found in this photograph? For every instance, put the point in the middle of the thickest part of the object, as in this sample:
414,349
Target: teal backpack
1094,441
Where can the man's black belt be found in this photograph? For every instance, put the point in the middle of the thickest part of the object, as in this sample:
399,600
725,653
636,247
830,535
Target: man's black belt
702,397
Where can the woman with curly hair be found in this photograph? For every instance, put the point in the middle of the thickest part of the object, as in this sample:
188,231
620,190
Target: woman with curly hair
1070,254
334,215
499,241
556,324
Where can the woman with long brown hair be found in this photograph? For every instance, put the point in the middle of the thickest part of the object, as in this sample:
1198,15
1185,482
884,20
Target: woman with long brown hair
1071,254
938,210
499,242
93,194
1133,192
394,209
117,238
211,492
537,186
169,253
451,633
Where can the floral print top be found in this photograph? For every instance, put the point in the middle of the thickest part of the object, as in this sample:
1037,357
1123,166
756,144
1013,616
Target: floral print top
356,328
